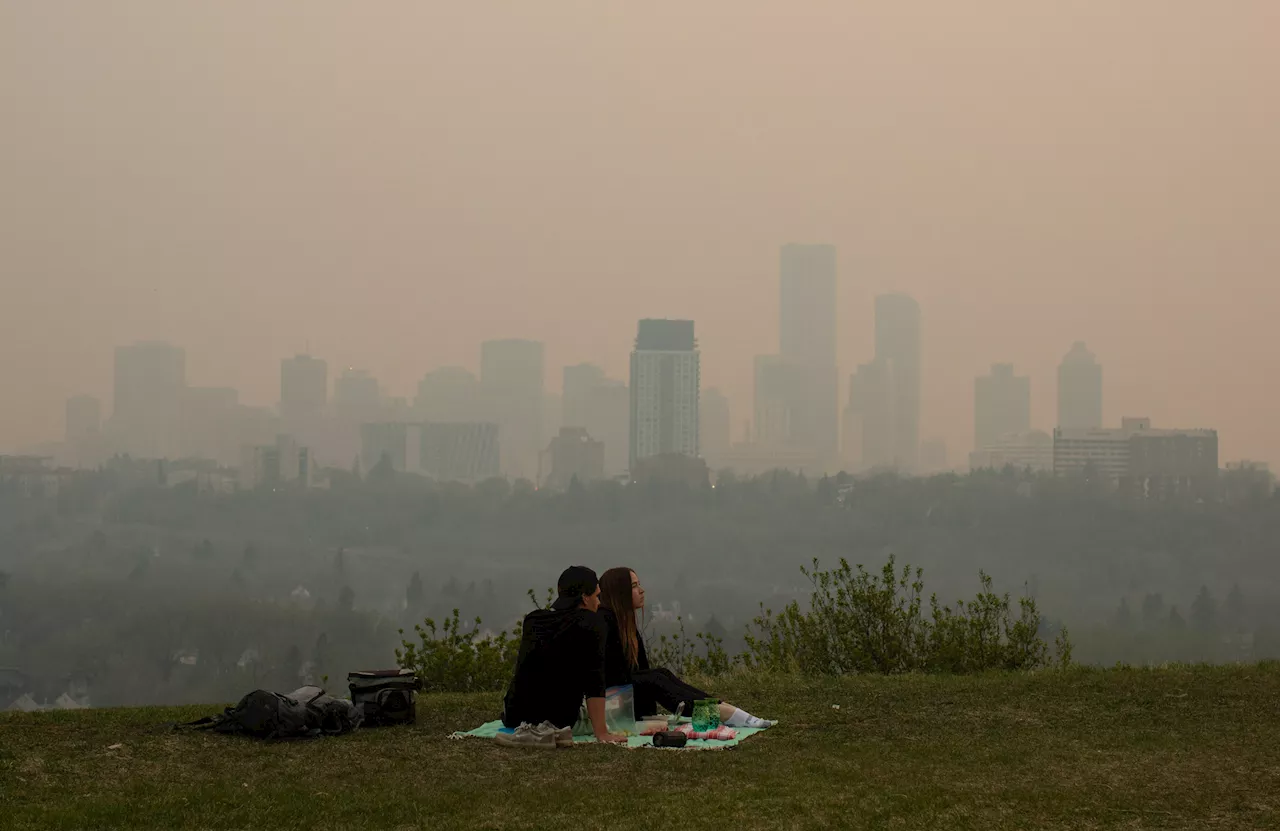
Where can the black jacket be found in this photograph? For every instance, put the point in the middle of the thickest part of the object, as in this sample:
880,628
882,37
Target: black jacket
617,670
561,661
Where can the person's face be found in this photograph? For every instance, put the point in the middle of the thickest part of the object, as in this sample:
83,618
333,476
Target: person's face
591,601
637,592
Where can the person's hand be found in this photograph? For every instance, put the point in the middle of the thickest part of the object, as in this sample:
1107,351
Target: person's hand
611,738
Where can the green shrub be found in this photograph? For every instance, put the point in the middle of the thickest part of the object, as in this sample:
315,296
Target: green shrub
859,622
450,658
678,653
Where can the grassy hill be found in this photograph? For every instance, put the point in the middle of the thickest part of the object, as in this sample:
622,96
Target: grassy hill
1169,748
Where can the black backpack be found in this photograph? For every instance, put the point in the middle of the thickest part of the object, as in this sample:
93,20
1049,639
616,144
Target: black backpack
386,696
303,713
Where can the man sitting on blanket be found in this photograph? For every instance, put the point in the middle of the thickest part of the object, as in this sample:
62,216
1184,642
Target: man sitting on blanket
561,661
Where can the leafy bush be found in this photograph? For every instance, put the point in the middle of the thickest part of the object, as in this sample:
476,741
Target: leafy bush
857,622
451,658
678,653
862,622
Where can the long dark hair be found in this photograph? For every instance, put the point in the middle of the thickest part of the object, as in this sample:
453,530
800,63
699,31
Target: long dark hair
615,595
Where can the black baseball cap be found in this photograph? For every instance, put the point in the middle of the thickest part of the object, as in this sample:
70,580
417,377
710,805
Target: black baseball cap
575,583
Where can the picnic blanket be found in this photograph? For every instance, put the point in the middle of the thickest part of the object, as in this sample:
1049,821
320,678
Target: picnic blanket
490,729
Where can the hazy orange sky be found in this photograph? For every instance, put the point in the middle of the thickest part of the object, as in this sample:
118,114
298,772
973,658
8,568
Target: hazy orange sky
392,182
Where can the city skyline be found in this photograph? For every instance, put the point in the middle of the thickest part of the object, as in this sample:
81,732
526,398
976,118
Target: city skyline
1032,179
1001,400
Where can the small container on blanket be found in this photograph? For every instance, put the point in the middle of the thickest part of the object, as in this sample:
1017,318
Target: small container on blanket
706,715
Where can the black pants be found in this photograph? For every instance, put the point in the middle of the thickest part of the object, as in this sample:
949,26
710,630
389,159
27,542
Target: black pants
661,686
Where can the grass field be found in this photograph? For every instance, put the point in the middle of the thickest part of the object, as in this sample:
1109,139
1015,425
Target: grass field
1169,748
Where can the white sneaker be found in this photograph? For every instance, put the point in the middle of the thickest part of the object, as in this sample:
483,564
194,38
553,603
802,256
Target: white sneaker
563,735
527,735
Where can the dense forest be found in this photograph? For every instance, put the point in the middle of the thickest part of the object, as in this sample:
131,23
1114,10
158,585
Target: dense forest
123,593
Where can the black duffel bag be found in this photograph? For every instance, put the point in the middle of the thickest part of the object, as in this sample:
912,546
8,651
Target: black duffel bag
385,697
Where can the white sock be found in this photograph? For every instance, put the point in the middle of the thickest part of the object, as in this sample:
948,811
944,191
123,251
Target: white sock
741,718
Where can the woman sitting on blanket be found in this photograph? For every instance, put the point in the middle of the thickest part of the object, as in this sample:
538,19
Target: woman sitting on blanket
626,662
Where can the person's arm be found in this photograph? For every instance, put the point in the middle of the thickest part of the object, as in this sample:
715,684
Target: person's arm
595,712
593,679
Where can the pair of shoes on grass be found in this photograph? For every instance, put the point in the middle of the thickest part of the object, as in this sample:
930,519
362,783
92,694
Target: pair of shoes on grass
545,735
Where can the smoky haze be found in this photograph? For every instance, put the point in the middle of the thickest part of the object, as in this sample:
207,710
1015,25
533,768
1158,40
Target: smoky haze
389,184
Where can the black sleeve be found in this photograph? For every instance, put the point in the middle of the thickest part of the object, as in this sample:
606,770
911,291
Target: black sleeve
616,671
642,656
594,633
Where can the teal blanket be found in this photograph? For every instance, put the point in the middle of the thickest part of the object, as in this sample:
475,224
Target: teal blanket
490,729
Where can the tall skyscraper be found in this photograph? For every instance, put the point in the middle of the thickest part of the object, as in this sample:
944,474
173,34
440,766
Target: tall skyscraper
807,344
665,381
1001,405
304,389
715,426
898,347
512,379
1079,390
147,410
448,394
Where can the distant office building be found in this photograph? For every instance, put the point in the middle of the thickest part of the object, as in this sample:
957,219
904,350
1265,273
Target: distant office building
445,451
1099,451
147,410
512,377
460,451
304,389
779,385
84,418
1172,465
807,344
898,350
870,414
574,455
396,441
665,382
603,406
450,394
1141,461
933,456
715,426
283,462
1079,390
1001,405
1028,450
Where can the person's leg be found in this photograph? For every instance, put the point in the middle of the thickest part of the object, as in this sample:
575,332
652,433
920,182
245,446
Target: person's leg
662,685
731,716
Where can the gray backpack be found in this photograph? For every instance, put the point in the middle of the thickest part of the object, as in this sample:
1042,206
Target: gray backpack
385,697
